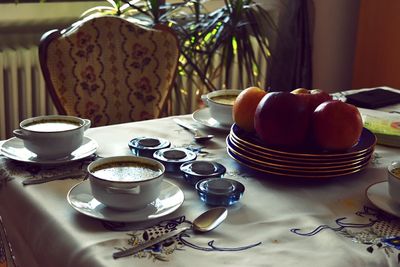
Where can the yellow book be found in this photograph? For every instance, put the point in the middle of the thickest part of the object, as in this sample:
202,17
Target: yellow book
385,125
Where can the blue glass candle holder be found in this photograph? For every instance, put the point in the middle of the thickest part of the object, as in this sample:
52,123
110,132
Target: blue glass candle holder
146,146
197,170
219,192
173,158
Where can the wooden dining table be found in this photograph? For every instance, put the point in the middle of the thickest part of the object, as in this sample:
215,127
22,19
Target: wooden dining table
279,221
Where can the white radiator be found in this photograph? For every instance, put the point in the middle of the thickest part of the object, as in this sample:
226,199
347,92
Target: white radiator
22,88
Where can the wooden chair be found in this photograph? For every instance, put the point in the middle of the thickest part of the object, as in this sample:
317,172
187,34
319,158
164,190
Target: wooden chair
109,70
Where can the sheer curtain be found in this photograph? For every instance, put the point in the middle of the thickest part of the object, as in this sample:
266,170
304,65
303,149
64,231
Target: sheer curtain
291,63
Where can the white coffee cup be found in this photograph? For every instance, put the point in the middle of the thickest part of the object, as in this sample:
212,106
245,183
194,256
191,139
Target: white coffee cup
52,136
394,181
220,103
125,182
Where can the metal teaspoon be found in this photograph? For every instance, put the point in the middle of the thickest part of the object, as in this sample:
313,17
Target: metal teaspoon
207,221
197,136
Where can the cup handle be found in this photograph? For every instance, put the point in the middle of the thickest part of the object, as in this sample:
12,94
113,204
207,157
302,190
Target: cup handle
204,99
131,191
86,124
19,133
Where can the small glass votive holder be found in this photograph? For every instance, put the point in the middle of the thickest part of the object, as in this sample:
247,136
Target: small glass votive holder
194,171
173,158
219,192
146,146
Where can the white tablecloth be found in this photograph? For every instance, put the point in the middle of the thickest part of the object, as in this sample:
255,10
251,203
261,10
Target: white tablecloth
45,231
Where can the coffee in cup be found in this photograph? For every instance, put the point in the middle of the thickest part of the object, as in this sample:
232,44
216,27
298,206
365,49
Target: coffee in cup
52,136
125,182
51,126
221,103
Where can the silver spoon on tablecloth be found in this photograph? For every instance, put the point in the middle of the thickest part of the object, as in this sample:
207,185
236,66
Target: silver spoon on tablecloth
198,137
207,221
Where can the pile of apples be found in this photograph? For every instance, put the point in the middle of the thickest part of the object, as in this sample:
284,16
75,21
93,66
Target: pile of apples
298,119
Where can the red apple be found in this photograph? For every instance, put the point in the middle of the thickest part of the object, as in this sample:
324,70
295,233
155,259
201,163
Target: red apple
282,120
314,97
318,97
336,125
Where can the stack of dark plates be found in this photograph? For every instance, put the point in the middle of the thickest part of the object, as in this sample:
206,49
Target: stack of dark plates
249,150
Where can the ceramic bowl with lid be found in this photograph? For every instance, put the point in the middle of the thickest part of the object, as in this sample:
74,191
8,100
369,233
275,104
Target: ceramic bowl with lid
194,171
219,191
146,146
173,158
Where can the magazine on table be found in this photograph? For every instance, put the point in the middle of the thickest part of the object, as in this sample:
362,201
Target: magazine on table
385,125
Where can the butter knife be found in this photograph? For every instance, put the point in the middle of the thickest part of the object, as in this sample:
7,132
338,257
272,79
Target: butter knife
149,243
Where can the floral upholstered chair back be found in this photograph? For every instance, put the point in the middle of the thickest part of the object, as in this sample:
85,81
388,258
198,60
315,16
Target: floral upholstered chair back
109,70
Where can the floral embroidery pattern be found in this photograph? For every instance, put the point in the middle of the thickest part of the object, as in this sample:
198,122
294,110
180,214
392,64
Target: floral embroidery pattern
5,175
92,111
143,85
4,178
380,232
156,252
93,65
144,115
85,47
376,159
60,66
162,250
136,30
140,56
10,169
88,83
113,69
143,91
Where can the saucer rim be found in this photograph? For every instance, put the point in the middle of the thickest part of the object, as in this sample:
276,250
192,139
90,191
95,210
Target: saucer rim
13,156
367,195
111,219
205,111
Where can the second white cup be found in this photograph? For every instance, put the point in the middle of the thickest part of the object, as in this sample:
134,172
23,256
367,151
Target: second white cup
52,136
221,103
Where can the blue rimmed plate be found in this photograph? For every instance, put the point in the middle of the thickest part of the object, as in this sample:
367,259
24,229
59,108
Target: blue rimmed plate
298,159
250,140
293,173
296,164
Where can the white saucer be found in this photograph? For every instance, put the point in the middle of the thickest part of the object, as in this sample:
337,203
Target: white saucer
203,116
378,194
14,149
81,199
